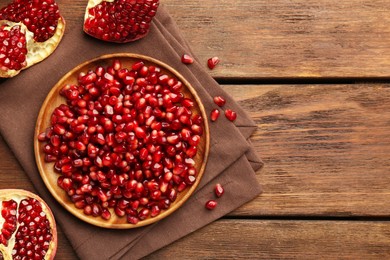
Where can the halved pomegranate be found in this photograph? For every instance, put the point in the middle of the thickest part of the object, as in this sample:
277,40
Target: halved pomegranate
28,229
29,32
119,20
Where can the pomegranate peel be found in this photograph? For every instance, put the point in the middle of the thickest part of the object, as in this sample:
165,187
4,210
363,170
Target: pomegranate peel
26,205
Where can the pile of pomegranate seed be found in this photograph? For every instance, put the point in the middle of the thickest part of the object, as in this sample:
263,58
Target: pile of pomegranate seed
125,140
33,234
13,48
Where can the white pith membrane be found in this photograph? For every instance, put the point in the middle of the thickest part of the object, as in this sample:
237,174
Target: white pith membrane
36,51
18,197
92,4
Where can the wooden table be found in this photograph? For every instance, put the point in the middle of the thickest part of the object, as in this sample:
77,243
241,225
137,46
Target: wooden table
314,76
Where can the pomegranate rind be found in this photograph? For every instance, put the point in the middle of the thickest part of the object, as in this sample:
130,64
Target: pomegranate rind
37,51
19,194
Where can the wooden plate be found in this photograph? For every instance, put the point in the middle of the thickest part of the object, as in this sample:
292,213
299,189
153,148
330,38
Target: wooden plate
54,99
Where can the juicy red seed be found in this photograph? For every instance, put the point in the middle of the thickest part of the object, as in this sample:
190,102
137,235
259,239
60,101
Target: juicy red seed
187,59
155,211
214,115
106,214
34,228
211,204
194,140
230,114
212,62
13,52
144,213
219,101
219,190
132,219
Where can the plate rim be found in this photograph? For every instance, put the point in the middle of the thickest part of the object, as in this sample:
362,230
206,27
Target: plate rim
98,221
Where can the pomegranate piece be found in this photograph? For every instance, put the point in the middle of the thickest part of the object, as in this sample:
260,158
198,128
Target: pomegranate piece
230,114
212,62
131,149
29,32
214,115
187,59
211,204
219,101
219,190
119,20
28,226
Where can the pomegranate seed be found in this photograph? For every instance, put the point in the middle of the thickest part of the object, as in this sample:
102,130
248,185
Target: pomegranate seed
187,59
219,190
106,214
211,204
219,101
212,62
144,213
214,115
230,114
132,219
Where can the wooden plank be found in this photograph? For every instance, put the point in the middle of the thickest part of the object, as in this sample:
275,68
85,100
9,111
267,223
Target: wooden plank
325,147
279,39
282,239
288,39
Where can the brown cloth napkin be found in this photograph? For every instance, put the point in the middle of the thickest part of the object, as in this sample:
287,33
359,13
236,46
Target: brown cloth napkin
232,161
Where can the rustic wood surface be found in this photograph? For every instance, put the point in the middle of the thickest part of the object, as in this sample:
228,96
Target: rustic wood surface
325,146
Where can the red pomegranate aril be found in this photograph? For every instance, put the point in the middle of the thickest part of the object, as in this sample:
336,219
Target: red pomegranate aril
187,59
143,213
212,62
211,204
191,151
219,190
219,101
132,219
230,114
194,140
106,214
190,180
214,115
155,211
119,212
182,186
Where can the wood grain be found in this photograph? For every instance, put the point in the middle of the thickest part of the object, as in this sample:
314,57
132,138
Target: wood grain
274,239
325,148
279,39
